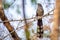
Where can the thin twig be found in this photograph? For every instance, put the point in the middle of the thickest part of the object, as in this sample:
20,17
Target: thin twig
26,19
35,18
19,28
29,18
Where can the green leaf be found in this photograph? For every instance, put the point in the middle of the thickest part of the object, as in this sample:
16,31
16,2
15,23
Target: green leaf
18,11
6,5
34,2
48,0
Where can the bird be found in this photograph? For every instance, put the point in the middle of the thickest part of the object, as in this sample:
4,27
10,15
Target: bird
39,12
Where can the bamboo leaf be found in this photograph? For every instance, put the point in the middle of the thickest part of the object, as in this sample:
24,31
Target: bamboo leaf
18,11
34,2
6,5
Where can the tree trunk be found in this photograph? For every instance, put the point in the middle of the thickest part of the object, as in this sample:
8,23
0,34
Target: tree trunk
54,35
7,24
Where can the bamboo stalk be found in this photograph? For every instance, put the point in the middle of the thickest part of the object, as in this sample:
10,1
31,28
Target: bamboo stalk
54,34
7,24
26,27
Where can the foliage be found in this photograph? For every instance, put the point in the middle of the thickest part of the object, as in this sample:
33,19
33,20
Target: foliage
6,5
33,2
27,34
48,0
18,11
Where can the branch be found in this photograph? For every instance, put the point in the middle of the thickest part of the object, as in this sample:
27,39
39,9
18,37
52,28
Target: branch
18,28
26,19
35,18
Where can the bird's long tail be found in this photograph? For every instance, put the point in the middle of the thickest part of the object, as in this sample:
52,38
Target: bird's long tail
40,28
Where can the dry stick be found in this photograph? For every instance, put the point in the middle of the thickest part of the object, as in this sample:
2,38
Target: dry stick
17,20
21,21
17,29
20,27
26,19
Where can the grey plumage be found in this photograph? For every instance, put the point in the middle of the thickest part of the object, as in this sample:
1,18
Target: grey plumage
40,12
